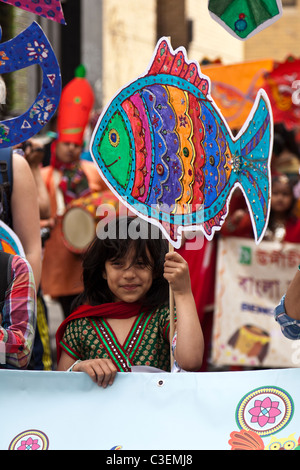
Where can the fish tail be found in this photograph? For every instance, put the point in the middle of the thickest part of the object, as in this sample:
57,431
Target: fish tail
251,163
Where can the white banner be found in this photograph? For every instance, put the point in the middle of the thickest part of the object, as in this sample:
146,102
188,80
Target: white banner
251,280
253,410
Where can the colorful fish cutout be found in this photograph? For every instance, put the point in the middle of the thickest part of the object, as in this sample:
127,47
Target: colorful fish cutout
245,18
50,9
29,48
164,149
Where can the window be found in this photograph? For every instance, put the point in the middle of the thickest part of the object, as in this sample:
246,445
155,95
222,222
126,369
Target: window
289,3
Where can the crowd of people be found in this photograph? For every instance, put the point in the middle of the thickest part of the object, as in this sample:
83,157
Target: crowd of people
115,296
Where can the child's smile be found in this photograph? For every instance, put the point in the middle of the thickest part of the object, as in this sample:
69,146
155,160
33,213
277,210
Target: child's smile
128,281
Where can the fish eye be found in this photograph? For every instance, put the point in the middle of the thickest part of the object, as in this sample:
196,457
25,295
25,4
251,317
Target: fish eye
114,137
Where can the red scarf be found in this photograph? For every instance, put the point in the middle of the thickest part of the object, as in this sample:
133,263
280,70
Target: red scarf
109,310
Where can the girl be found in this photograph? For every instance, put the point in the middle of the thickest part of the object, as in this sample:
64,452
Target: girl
122,317
283,225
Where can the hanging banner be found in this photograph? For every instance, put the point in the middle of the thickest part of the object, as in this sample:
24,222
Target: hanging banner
145,411
251,280
282,85
235,86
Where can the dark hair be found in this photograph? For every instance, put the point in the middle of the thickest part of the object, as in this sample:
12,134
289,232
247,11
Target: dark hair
113,243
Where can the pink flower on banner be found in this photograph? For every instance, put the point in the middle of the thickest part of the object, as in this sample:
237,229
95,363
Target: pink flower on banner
264,412
50,9
29,444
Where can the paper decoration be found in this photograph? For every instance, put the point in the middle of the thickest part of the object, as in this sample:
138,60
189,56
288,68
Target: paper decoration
50,9
245,18
75,106
254,410
164,149
250,282
9,241
29,48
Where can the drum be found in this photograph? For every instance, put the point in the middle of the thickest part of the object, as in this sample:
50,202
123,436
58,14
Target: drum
79,221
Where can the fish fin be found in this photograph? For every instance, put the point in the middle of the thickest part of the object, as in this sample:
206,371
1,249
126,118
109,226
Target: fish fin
171,62
251,163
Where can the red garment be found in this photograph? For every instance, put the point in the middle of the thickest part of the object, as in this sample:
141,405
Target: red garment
292,228
108,310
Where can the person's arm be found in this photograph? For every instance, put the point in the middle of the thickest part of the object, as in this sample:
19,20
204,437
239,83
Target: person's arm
34,154
25,213
292,298
190,344
101,371
18,324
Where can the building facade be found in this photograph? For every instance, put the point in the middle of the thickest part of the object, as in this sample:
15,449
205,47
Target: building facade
115,40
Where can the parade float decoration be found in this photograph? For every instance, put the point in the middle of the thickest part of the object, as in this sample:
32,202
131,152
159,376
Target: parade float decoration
31,47
50,9
245,18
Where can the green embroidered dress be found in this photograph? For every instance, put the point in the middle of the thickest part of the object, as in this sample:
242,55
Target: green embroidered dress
147,342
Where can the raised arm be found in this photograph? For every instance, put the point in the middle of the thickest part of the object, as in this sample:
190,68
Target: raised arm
190,343
292,298
25,212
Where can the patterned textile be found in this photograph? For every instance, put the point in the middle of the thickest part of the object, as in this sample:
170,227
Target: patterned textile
73,182
146,344
19,315
290,327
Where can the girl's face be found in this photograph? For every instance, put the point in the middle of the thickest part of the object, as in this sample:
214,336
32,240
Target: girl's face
127,280
282,197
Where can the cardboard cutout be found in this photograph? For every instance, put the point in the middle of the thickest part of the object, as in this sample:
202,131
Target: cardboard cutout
9,241
164,149
50,9
245,18
29,48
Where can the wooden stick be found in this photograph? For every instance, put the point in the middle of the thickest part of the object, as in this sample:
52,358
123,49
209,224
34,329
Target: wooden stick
172,319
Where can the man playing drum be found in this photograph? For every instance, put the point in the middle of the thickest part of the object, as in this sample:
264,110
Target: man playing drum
67,178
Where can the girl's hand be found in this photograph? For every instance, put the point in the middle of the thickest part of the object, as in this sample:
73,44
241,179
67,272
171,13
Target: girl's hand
101,371
176,272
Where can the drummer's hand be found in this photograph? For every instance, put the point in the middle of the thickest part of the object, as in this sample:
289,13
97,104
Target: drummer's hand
48,223
34,152
101,371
